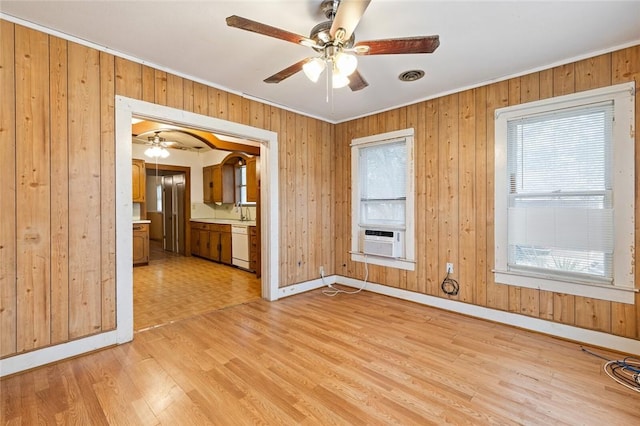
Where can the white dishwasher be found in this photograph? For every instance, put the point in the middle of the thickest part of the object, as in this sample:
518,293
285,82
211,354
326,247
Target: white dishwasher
240,246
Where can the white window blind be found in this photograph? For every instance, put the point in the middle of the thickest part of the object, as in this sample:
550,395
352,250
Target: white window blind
383,177
560,213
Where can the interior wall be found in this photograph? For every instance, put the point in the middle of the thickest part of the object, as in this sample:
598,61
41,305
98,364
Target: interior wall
57,200
454,159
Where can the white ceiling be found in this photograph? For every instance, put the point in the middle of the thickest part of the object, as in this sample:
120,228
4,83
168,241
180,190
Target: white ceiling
480,42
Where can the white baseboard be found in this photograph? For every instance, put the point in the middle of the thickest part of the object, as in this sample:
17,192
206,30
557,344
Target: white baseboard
591,337
40,357
305,286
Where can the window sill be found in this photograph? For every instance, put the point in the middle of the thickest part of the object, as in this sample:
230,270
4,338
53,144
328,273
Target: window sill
594,291
406,264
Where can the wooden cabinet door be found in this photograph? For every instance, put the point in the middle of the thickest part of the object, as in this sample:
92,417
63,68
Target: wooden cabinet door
252,180
225,247
195,242
214,245
207,184
138,181
204,243
224,190
140,244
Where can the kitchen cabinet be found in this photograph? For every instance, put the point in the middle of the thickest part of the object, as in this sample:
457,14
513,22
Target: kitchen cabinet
138,180
254,250
140,243
252,179
207,184
211,241
224,190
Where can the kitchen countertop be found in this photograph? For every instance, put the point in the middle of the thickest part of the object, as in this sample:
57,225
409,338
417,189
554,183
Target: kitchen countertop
141,221
225,221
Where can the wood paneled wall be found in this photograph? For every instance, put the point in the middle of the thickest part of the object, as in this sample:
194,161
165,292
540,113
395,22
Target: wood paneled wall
57,198
57,166
454,151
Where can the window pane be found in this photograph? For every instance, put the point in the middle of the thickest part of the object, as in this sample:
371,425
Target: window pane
383,171
383,212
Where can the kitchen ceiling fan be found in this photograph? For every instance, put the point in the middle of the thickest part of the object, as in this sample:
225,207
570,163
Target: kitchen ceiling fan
334,41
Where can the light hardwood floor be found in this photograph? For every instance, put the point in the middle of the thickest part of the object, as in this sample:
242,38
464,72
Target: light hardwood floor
312,359
173,287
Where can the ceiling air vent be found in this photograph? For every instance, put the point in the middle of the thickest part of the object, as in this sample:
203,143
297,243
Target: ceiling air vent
411,75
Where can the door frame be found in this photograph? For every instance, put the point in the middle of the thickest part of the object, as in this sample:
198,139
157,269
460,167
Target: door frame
125,110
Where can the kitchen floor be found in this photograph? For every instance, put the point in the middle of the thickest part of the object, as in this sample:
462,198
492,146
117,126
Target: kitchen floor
174,287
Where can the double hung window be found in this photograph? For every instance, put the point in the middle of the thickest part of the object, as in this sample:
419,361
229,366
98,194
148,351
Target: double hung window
564,194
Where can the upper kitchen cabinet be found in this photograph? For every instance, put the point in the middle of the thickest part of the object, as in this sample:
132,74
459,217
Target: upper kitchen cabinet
207,184
252,179
223,183
138,180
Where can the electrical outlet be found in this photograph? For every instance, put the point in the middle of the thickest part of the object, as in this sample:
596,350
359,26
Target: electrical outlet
321,270
449,268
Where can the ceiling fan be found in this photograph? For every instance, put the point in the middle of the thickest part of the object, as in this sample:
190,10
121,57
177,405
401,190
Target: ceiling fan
158,146
334,41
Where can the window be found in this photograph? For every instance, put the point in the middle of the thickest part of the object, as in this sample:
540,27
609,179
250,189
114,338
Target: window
383,200
565,194
241,185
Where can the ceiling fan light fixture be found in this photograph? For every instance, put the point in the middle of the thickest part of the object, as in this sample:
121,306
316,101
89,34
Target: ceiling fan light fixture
156,152
339,80
346,63
313,68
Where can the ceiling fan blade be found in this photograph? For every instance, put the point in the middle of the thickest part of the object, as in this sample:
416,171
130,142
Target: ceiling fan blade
287,72
357,82
268,30
348,16
390,46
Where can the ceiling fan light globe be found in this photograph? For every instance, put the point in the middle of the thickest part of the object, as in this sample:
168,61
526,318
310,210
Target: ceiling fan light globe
313,69
164,153
339,80
346,63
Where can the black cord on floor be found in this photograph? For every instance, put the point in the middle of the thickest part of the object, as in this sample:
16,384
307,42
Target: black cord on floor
450,286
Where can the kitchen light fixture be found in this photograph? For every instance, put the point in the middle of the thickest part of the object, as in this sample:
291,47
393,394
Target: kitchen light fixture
157,149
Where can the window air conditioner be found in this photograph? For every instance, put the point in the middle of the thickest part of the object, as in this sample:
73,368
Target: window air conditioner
383,243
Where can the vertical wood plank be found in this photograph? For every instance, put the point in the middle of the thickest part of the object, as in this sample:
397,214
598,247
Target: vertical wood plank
467,193
59,192
33,206
200,99
341,213
448,200
416,280
148,84
160,86
108,191
288,220
128,78
8,291
432,193
218,103
313,222
564,80
234,107
327,200
175,91
85,289
593,73
301,173
497,97
188,95
481,197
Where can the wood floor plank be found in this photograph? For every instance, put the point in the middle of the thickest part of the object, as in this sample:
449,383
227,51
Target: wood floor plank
312,359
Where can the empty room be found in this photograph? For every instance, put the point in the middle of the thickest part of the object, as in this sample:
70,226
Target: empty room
319,212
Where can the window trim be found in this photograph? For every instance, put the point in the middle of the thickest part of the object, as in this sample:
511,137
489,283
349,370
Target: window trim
622,290
408,261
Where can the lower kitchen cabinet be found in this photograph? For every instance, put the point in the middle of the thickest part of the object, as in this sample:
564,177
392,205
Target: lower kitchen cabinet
211,241
140,243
